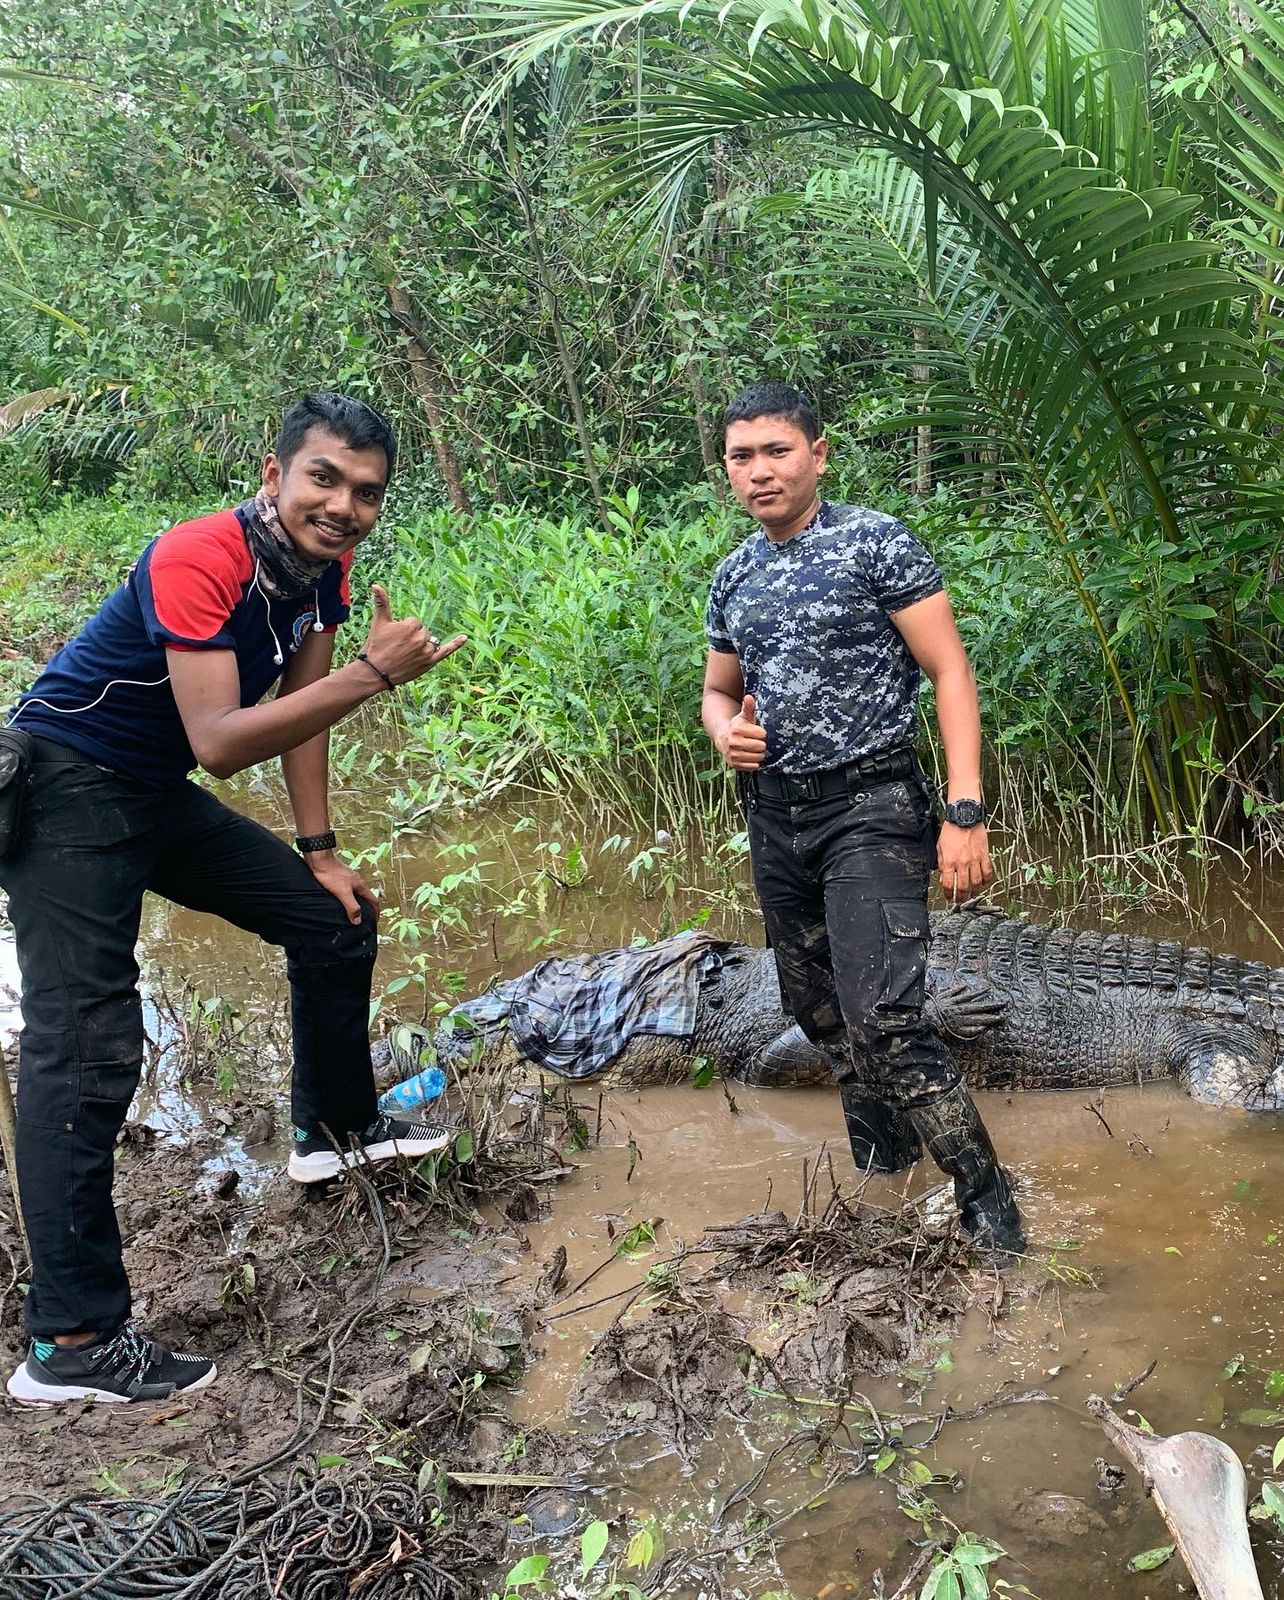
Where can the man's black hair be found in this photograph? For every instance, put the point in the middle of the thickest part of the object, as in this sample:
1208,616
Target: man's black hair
773,399
353,421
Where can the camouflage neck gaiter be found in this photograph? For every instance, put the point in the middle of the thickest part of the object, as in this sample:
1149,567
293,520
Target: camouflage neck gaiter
282,571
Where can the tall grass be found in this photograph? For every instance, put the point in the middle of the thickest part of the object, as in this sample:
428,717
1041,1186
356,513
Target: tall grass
56,567
585,658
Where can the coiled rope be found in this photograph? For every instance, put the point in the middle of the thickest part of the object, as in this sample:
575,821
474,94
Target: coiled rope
307,1539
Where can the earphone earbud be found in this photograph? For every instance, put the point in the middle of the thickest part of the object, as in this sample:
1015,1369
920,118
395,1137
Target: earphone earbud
317,626
277,657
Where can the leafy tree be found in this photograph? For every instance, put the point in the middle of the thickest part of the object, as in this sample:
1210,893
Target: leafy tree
1059,267
214,205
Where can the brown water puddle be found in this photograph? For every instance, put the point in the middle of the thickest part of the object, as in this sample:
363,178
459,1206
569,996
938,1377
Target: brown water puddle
1174,1211
1175,1216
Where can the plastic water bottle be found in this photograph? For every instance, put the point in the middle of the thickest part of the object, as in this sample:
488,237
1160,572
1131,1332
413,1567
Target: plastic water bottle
414,1092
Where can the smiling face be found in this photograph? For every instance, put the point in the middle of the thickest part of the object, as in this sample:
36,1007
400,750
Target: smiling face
327,494
774,469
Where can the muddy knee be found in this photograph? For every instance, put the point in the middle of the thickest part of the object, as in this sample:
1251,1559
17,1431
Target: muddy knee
904,1066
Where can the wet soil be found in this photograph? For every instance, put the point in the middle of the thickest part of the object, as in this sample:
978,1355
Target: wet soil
367,1332
789,1422
1155,1242
358,1320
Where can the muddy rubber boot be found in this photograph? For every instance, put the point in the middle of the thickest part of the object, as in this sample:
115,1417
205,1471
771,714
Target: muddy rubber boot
882,1140
955,1137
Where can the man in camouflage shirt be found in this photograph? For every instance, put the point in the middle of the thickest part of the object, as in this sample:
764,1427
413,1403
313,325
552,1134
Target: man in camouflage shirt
819,628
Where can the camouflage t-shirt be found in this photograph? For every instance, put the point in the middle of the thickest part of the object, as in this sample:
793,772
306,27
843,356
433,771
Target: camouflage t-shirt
810,620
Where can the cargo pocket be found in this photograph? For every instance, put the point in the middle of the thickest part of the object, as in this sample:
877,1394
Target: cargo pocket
905,935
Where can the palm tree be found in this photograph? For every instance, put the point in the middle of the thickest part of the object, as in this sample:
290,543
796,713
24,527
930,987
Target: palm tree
1092,343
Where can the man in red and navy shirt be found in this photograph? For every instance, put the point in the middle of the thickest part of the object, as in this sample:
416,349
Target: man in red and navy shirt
171,674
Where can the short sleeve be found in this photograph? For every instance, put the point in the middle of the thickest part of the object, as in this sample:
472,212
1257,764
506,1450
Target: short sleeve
188,585
901,572
715,621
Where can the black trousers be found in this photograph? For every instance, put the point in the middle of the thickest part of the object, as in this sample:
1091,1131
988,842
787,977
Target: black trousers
843,886
93,842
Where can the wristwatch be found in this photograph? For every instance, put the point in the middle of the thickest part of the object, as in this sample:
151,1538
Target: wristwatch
308,843
965,813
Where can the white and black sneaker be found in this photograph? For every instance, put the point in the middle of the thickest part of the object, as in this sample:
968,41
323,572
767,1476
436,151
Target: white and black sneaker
314,1158
121,1366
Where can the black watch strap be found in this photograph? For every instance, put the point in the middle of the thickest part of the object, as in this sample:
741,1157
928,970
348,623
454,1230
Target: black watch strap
306,843
965,813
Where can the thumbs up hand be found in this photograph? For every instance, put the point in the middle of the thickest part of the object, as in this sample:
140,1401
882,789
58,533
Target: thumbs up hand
744,741
402,650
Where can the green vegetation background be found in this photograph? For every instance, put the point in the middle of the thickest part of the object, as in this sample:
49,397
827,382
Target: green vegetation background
1025,258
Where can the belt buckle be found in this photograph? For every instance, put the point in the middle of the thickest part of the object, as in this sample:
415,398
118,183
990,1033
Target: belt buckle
811,785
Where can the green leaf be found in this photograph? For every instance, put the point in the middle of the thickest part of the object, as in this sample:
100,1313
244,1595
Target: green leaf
942,1584
1273,1499
593,1543
530,1569
969,1551
641,1548
1274,1385
702,1072
976,1585
332,1461
1148,1560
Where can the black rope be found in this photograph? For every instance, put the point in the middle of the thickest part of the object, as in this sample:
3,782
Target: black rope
308,1539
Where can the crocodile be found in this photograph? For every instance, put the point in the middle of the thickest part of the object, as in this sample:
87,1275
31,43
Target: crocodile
1024,1006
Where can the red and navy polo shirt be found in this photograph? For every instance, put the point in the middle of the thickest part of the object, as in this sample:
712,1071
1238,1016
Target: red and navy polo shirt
194,587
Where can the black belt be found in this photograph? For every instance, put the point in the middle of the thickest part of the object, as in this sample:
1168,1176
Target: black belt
796,788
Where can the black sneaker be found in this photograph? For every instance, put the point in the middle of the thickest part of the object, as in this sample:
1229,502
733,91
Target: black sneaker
121,1366
314,1158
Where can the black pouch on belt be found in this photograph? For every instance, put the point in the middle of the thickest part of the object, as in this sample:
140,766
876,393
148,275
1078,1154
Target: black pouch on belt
15,771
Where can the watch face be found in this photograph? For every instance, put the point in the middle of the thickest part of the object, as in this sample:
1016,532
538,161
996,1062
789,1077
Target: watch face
965,813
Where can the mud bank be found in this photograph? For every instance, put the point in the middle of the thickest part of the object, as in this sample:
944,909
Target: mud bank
368,1334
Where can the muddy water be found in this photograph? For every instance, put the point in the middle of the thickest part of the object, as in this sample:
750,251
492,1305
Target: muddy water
1172,1208
1175,1216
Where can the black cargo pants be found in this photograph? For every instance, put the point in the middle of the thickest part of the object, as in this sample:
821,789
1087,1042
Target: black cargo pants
92,842
843,883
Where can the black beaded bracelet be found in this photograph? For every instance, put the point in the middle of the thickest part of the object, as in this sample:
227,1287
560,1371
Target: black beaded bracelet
362,656
309,842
